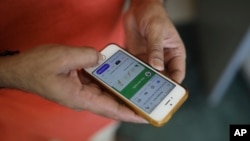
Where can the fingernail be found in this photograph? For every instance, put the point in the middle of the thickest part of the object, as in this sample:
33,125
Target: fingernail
141,120
145,121
158,64
101,58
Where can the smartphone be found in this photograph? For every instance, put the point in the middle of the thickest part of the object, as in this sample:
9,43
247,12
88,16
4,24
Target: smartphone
145,90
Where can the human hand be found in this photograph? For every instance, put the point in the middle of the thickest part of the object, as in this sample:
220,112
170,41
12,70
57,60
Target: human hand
150,32
52,71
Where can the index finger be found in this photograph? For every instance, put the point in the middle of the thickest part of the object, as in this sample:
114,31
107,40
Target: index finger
176,68
103,104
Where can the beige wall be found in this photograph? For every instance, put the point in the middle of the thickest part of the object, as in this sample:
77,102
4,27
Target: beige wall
181,11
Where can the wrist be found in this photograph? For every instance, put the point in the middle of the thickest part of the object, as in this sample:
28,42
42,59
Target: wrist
142,5
135,2
7,79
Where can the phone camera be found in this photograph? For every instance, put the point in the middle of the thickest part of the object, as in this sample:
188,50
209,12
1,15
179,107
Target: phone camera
118,62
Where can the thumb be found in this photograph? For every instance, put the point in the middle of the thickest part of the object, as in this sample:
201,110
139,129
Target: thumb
155,45
83,57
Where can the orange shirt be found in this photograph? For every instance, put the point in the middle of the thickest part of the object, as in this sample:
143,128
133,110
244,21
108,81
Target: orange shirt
28,23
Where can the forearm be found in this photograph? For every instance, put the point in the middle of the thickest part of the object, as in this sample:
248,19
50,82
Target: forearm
7,76
4,76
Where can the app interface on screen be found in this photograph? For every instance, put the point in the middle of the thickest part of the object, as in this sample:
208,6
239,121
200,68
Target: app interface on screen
134,81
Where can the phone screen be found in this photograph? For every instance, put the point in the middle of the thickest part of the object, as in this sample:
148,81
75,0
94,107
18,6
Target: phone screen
133,80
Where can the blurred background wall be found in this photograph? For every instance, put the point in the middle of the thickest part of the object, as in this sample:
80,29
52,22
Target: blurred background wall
182,11
223,40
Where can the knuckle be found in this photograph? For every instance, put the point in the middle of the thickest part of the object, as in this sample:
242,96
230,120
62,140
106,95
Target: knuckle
89,50
91,54
156,51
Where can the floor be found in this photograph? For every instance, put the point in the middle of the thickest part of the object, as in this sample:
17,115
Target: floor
197,120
